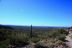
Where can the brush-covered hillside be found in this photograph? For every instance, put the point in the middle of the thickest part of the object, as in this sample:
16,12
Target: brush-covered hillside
12,36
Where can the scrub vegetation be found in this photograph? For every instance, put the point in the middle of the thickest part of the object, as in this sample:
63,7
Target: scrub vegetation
13,37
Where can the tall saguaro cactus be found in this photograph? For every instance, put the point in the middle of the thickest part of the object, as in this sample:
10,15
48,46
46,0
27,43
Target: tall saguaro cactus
31,32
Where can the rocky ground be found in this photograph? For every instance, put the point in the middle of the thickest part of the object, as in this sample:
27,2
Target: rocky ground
69,39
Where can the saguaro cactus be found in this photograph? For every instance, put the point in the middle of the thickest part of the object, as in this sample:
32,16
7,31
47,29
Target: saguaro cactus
31,32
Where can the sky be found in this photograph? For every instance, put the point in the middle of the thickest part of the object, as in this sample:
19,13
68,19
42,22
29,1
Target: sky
36,12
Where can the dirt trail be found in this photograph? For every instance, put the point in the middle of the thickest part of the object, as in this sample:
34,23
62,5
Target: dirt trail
69,39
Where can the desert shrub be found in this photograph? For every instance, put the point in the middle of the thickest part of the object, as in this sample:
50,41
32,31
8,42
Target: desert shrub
63,31
61,37
5,43
2,36
3,46
49,43
35,39
19,39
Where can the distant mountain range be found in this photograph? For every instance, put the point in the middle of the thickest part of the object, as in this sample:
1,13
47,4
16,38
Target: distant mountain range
28,27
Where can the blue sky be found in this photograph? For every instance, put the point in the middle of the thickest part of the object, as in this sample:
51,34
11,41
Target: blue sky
36,12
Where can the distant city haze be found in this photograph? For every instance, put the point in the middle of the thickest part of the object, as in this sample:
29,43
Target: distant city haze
36,12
